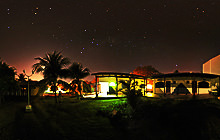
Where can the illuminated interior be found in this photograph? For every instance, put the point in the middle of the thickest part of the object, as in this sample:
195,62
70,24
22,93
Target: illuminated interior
185,83
149,86
104,88
113,84
108,86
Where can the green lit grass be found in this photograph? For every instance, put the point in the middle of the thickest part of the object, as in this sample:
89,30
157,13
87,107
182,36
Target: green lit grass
93,119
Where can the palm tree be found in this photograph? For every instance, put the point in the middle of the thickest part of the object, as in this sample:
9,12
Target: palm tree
77,72
21,77
52,66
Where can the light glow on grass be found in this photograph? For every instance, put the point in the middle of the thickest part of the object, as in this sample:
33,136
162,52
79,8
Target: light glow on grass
150,94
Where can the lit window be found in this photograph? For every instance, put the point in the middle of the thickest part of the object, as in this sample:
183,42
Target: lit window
112,84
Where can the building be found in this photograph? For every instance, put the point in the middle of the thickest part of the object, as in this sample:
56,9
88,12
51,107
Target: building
110,84
185,83
212,66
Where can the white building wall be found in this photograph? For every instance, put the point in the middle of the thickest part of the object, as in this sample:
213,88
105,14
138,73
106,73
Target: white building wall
212,66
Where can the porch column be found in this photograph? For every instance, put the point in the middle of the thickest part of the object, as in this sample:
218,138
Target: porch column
154,87
194,88
96,83
144,86
116,86
134,83
164,86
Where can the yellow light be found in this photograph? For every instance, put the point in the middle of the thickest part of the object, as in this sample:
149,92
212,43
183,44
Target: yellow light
149,86
48,90
59,89
150,94
112,84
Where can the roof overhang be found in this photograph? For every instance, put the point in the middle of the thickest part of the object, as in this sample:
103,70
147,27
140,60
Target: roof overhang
120,75
192,75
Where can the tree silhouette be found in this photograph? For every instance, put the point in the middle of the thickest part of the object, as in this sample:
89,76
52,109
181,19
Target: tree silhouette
145,71
21,77
176,71
52,65
77,72
22,82
8,84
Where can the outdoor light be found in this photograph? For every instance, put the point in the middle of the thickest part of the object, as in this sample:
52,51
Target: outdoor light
149,86
112,84
28,106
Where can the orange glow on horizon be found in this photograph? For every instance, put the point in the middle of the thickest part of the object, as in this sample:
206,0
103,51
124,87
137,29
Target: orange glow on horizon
37,77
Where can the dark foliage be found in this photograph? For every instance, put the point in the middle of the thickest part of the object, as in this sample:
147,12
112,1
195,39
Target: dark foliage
77,72
146,71
8,84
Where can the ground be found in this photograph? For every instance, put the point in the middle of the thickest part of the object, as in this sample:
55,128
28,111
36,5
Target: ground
110,119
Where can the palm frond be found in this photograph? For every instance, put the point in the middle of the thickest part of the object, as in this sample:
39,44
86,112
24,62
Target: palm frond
53,64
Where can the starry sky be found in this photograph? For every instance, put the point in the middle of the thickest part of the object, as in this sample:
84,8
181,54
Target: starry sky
111,35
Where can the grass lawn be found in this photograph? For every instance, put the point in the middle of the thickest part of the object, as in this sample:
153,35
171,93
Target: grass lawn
110,119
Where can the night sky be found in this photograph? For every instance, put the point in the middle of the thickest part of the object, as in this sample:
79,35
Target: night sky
111,35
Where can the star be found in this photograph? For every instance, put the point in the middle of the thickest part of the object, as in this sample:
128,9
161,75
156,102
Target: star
107,10
8,11
120,27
